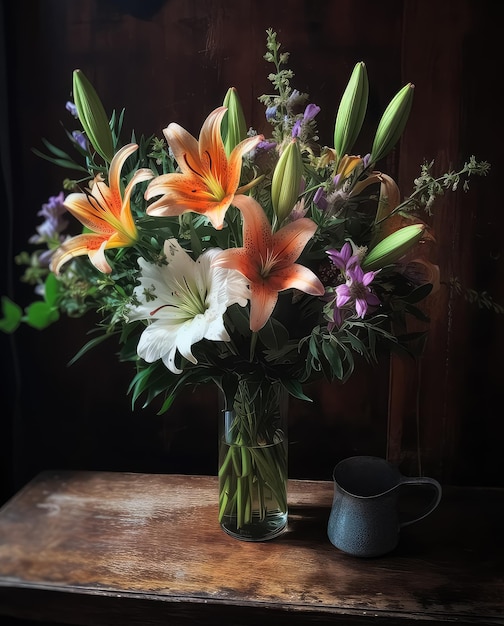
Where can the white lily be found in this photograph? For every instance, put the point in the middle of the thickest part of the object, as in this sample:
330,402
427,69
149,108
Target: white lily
184,301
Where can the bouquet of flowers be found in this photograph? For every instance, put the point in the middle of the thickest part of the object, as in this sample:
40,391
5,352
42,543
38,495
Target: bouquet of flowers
253,261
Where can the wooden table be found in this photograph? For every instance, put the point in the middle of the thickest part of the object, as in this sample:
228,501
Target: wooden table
104,548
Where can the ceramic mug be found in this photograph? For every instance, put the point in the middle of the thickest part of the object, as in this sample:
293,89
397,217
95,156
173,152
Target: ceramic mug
364,519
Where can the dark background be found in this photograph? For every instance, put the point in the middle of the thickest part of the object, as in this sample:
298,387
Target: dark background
174,61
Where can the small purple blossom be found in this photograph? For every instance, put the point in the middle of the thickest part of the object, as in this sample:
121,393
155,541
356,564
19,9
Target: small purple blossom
354,296
271,112
345,259
356,291
54,207
80,139
320,199
49,231
71,108
296,129
310,112
266,145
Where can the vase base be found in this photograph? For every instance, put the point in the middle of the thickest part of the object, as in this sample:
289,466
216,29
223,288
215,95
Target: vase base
258,530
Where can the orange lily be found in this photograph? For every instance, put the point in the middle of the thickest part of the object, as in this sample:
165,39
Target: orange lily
267,259
208,180
104,211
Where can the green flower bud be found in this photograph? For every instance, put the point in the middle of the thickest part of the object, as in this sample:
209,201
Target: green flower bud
393,247
233,128
392,123
286,182
92,116
351,112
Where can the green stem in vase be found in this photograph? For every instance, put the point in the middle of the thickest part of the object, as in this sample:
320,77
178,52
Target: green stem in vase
253,460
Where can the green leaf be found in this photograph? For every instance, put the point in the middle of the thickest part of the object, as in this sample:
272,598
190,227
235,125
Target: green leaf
273,334
40,315
238,317
56,151
52,288
295,389
12,314
88,346
332,355
71,165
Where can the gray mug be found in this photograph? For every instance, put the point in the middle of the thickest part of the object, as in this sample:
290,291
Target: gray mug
364,519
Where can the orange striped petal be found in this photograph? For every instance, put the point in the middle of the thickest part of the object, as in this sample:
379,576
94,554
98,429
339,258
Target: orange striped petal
116,165
88,243
208,180
89,212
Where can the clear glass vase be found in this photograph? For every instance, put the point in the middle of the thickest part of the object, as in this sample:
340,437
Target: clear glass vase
253,459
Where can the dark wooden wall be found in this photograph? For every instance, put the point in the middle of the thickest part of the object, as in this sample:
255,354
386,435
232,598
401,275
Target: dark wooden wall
174,60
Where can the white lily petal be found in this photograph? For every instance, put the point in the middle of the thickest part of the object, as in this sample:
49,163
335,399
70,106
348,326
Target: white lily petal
184,302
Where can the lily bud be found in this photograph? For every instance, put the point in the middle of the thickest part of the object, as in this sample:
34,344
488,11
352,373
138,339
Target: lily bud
92,116
351,111
393,247
392,123
286,182
233,127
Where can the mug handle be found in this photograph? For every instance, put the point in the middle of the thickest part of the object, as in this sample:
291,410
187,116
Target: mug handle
422,480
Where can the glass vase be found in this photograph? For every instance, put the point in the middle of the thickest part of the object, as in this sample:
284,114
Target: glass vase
253,459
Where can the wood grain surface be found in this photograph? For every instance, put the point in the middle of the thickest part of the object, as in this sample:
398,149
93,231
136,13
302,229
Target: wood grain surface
99,548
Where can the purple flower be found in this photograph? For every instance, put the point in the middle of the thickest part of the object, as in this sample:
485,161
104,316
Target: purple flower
265,145
80,139
365,160
345,259
49,231
54,207
71,108
354,296
356,291
296,129
320,199
310,112
271,112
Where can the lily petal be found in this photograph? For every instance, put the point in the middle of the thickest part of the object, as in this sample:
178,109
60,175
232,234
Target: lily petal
106,212
208,180
267,259
186,303
90,244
